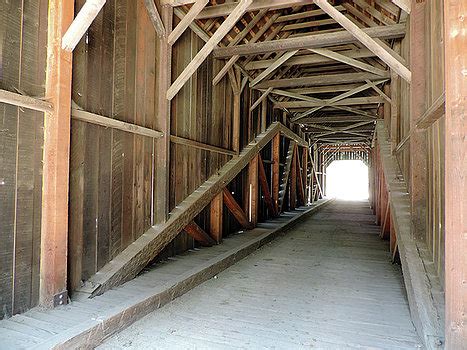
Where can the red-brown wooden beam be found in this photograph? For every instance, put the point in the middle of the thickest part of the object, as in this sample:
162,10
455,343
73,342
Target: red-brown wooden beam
276,144
199,234
293,180
235,209
455,12
54,225
265,187
305,173
216,214
253,191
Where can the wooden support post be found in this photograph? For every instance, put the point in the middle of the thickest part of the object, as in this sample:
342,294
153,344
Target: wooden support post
216,215
265,187
162,145
253,191
293,180
235,209
418,142
276,144
300,183
199,234
236,122
305,174
264,114
395,108
54,225
455,170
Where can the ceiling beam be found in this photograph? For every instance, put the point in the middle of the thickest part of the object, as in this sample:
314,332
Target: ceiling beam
225,27
226,8
347,60
334,119
277,63
342,96
186,20
235,58
81,23
313,59
304,14
365,39
317,100
404,5
317,80
325,103
310,41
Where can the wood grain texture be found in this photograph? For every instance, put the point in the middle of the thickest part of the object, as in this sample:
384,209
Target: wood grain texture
146,247
275,299
455,182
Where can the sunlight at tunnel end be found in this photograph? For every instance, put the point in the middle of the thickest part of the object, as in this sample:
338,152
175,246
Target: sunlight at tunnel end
348,180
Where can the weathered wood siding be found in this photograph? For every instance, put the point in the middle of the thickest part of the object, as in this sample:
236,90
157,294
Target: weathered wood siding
435,133
434,75
111,171
23,36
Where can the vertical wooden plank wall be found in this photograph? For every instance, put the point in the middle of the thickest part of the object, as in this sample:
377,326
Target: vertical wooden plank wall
427,18
111,171
455,180
23,36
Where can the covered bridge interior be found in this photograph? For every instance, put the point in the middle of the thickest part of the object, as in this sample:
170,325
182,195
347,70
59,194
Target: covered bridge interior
142,135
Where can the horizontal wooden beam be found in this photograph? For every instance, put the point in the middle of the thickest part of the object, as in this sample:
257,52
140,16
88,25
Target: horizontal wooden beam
309,59
200,145
317,80
93,118
15,99
345,102
304,14
332,101
312,41
334,119
226,8
347,60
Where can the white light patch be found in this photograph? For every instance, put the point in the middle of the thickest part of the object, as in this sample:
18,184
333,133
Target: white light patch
347,179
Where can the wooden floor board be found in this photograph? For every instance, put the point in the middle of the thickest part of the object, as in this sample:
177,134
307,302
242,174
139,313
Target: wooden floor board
67,325
328,284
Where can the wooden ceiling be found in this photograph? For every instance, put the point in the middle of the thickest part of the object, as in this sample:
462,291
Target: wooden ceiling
330,84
